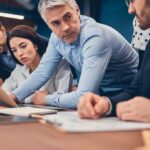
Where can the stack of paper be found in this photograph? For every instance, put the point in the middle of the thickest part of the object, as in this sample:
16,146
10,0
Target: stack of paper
70,121
26,111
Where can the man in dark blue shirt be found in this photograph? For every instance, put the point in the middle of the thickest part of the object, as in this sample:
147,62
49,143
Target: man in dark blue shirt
6,62
137,108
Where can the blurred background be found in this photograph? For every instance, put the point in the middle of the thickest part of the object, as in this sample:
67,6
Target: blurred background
111,12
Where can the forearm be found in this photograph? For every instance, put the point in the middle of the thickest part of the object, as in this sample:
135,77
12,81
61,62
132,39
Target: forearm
67,100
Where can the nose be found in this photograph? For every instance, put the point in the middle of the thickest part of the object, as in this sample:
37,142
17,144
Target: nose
131,9
65,27
20,53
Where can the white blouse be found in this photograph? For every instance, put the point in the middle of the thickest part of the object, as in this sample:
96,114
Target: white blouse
61,81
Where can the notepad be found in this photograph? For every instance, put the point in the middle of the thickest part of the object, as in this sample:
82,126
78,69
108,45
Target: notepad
26,111
69,121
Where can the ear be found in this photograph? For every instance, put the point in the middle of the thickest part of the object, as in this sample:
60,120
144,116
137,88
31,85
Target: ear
36,47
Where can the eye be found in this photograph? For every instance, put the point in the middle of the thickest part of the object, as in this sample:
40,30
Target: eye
13,50
23,45
68,17
56,23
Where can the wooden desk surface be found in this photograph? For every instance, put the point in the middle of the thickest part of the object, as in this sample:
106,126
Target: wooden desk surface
36,136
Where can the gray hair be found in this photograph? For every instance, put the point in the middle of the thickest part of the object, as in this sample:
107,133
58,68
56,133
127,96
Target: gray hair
44,4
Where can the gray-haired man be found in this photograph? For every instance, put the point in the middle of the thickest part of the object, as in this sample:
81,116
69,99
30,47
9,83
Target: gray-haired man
101,56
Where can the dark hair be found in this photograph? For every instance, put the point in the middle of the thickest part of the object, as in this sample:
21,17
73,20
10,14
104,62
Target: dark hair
27,32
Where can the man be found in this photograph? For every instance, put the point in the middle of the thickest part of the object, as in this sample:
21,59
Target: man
6,62
138,107
101,56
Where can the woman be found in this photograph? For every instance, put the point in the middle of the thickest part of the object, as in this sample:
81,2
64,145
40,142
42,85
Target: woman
27,48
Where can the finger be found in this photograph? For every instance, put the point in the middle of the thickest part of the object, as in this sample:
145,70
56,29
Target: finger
80,107
89,107
99,109
129,116
85,108
123,107
92,101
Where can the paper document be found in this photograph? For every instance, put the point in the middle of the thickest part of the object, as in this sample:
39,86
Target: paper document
26,111
70,121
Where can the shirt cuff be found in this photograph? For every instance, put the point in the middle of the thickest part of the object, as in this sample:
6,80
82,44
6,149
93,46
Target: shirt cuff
110,106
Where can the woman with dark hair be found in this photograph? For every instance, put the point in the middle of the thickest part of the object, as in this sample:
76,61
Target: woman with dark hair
27,48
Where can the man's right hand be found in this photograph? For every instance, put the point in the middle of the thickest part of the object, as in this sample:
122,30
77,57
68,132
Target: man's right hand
92,106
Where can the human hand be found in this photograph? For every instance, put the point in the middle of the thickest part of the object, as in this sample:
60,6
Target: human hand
39,97
92,106
136,109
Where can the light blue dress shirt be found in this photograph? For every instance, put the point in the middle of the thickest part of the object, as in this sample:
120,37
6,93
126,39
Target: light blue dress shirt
101,55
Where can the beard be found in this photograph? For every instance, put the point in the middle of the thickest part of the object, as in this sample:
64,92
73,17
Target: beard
143,20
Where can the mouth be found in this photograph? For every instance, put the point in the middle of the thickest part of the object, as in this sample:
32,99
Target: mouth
68,35
23,60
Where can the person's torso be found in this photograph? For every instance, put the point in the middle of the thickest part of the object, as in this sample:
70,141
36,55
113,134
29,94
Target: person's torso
144,86
124,60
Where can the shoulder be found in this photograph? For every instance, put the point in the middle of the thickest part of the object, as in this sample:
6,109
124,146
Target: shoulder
54,40
90,28
17,69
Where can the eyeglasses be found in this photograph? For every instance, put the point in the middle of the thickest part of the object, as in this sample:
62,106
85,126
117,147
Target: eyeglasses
128,2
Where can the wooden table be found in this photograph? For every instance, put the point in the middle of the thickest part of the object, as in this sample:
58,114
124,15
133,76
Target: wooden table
36,136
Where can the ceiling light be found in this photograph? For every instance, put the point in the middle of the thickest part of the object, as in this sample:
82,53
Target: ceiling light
7,15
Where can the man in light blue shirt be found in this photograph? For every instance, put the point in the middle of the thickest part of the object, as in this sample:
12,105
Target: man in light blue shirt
100,54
